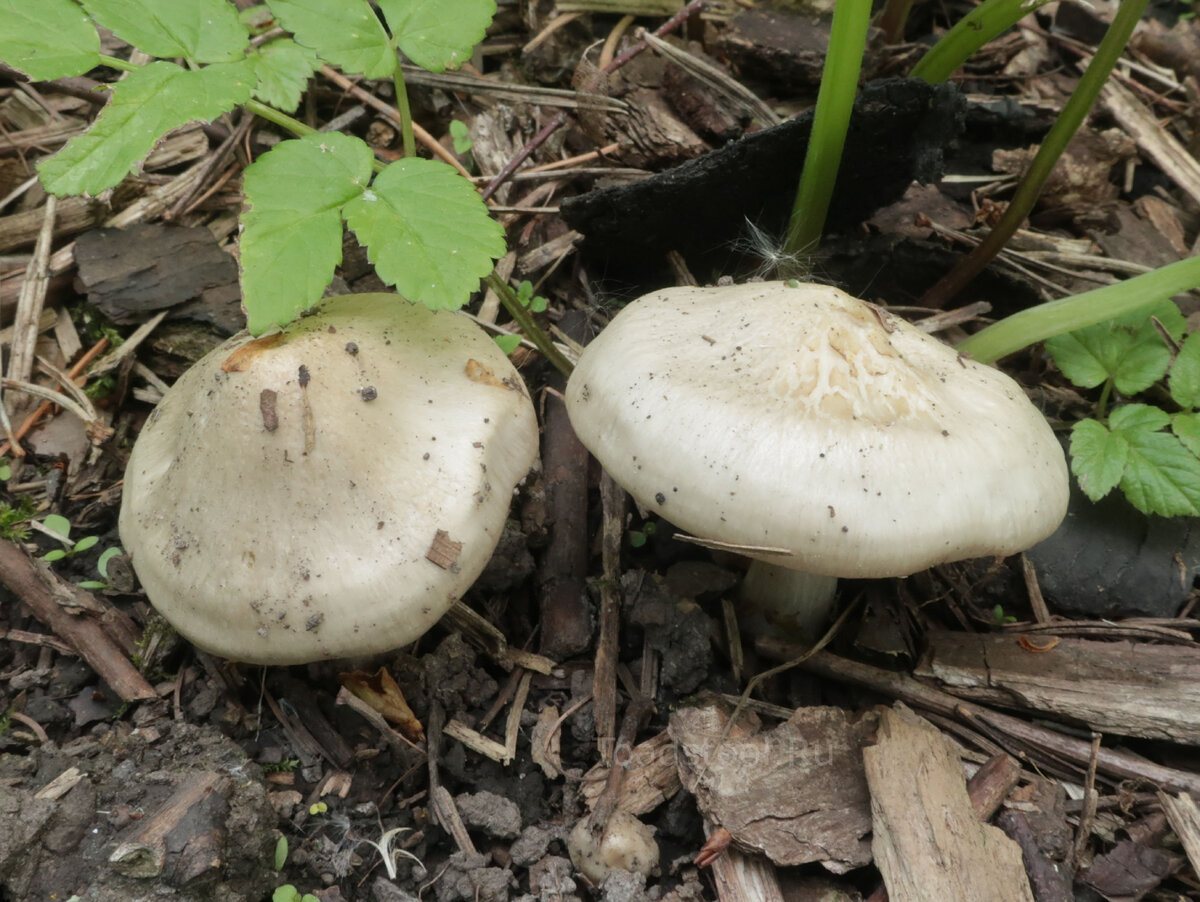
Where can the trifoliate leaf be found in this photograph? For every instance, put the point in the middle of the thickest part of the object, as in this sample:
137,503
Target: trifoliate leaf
204,31
292,231
438,34
427,232
47,39
147,104
347,33
1128,350
1184,382
282,67
1186,427
1097,458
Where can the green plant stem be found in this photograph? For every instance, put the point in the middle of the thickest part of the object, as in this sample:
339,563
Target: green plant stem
835,102
1055,142
406,129
1044,321
523,318
116,63
975,29
1102,403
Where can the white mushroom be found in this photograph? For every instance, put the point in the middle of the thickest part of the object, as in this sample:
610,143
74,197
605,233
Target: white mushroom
626,845
330,490
832,437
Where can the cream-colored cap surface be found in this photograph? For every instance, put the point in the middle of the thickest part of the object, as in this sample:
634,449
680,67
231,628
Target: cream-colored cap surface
799,418
331,490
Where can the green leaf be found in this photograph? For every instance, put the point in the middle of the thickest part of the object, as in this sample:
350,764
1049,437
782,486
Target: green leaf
460,134
292,231
508,343
145,105
1161,476
1186,427
347,33
91,584
427,232
1128,350
1133,418
1184,381
282,68
438,34
1097,458
58,525
105,556
47,39
204,31
281,854
56,554
85,543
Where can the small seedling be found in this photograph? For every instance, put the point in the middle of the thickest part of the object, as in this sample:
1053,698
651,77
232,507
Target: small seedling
60,528
461,136
281,852
1153,455
317,808
528,299
287,765
1000,617
639,537
289,893
102,567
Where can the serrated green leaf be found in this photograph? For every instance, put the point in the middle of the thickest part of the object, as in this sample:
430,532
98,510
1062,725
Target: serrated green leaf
204,31
282,68
1128,350
47,39
1133,418
1186,427
508,343
1184,381
427,232
58,524
347,34
292,231
1161,476
147,104
1097,458
438,34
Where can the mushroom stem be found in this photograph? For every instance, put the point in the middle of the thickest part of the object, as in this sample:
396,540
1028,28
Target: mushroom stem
792,602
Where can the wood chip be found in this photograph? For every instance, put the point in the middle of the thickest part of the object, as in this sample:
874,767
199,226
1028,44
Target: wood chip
444,551
927,842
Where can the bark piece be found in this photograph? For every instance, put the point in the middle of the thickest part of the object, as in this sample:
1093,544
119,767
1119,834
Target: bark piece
183,841
130,273
927,843
797,793
1184,816
1133,689
1129,871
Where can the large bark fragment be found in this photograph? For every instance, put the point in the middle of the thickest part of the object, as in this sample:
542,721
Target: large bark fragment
927,842
795,793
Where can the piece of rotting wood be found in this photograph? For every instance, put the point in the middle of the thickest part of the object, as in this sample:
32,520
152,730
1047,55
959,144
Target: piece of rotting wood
927,842
1184,818
1128,688
184,840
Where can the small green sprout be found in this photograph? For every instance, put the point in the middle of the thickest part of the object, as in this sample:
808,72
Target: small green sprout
638,537
1002,618
461,136
289,893
281,852
528,299
102,567
317,808
60,527
286,766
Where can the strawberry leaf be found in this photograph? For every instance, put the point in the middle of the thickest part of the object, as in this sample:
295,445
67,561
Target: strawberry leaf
47,39
1186,427
347,34
147,104
282,67
204,31
1097,458
1127,350
292,231
438,34
427,232
1184,382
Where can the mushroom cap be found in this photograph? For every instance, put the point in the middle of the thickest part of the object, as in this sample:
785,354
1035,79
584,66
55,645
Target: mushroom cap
799,419
302,496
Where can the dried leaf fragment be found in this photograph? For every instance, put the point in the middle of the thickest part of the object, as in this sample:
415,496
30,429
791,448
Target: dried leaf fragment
380,691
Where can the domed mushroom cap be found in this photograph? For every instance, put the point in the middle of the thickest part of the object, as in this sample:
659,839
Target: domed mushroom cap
330,490
798,418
